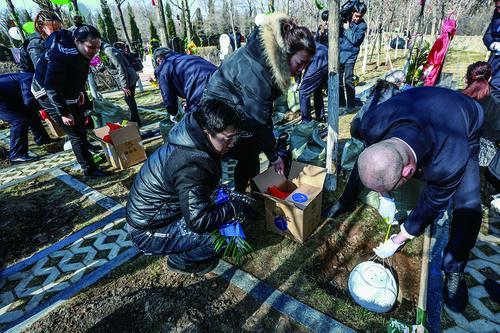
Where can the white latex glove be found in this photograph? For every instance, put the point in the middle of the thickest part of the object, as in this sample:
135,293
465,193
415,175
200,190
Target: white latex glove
387,209
387,248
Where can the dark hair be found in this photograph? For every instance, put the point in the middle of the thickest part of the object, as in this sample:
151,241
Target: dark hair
359,7
477,77
45,17
215,116
86,32
297,38
324,15
78,21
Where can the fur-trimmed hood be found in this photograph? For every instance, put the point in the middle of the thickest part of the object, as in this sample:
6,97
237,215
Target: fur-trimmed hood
275,51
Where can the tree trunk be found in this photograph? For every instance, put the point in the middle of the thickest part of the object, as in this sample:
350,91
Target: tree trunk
75,6
119,6
333,94
189,26
164,33
231,12
16,19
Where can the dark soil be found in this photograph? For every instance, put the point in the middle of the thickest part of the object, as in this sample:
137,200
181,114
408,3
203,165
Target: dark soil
143,297
39,212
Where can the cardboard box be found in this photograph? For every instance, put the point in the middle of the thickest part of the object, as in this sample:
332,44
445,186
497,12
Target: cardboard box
126,149
54,128
298,215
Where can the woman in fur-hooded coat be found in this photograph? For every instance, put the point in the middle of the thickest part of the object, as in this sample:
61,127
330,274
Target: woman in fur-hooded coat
252,78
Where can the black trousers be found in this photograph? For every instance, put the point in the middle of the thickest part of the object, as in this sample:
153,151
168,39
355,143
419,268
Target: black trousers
246,152
346,84
495,78
132,106
76,133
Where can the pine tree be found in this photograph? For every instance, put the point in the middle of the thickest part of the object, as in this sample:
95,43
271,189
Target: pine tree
25,16
226,18
170,21
102,27
198,22
152,31
108,22
134,30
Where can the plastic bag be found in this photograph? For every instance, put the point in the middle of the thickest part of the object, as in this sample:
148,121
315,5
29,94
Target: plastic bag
350,153
307,145
107,112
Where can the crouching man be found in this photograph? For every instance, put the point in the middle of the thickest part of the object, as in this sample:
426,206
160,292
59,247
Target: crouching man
169,209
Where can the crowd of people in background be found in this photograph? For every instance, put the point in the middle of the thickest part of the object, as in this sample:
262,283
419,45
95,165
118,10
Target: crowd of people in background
228,113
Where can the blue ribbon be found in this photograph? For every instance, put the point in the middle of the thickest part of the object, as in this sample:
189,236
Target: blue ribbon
221,196
232,230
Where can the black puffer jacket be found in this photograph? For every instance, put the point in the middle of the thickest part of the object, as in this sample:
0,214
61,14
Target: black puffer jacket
176,181
253,78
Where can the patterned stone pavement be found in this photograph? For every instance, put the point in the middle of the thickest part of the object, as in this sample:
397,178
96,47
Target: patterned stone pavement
38,284
34,286
482,314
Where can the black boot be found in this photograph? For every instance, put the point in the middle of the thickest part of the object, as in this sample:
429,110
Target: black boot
337,209
455,292
199,269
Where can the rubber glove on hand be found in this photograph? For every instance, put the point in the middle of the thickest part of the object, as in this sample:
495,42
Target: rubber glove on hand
387,209
387,248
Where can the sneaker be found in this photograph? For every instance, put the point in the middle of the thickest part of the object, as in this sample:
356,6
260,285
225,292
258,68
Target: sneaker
199,269
94,148
29,157
455,292
46,141
96,173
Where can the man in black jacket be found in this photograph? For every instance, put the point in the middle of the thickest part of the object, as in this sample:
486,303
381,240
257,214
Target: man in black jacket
169,210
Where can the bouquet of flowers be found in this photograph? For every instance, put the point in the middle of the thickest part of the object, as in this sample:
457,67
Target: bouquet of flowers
230,237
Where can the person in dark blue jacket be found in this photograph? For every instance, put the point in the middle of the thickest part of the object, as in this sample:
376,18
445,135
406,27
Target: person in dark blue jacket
15,109
59,85
491,40
181,75
352,34
313,82
432,134
46,22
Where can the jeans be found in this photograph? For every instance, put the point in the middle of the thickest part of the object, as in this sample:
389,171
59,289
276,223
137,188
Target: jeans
346,73
183,246
18,118
132,106
313,85
246,152
77,133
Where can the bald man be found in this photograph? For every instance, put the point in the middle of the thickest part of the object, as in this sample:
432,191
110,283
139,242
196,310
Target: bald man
432,134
